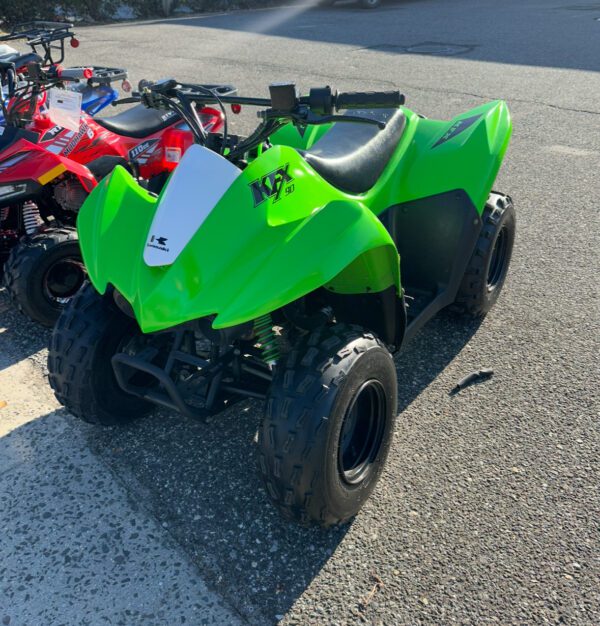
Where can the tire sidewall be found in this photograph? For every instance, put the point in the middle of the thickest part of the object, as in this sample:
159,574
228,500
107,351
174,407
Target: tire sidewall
508,223
374,364
35,279
89,331
108,395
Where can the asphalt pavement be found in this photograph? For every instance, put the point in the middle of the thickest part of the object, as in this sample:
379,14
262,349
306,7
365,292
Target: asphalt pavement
489,508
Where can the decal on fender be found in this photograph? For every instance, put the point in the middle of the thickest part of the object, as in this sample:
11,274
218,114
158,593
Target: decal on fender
272,185
52,174
456,129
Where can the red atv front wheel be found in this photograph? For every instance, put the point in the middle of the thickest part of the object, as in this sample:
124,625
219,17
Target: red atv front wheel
44,272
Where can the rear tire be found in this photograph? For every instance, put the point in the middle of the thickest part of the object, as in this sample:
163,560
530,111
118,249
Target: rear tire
328,425
486,272
43,272
89,331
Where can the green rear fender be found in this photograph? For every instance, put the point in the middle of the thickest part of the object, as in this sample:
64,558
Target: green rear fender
247,259
465,153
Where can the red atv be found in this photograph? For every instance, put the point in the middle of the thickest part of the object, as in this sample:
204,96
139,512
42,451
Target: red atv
46,173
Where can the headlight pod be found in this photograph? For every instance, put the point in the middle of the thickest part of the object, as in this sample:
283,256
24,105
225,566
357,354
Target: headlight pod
13,160
9,191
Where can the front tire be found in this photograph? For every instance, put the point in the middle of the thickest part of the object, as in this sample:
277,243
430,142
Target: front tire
89,332
328,425
487,269
43,273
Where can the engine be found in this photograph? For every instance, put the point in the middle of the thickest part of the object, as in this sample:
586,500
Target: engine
70,195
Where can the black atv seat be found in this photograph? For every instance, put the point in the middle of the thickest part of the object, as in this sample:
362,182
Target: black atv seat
19,60
138,122
352,157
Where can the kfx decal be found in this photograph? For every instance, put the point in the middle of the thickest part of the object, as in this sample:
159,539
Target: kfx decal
456,129
272,186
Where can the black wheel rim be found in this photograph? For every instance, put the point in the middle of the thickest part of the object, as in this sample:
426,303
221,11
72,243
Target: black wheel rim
63,280
498,260
362,433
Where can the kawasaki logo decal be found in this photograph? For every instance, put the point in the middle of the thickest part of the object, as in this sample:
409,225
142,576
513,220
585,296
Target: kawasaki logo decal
272,185
456,129
160,243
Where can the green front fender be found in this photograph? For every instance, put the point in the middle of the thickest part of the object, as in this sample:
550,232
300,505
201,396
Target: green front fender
262,264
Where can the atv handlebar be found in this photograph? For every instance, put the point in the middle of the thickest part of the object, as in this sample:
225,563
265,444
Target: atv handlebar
25,95
39,76
321,101
283,106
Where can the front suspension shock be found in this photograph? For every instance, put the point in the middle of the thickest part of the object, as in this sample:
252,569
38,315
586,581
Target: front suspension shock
263,327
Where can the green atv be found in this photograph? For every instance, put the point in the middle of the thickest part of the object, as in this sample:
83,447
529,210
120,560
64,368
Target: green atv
290,275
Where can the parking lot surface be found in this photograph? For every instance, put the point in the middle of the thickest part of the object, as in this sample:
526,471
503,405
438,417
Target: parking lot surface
489,506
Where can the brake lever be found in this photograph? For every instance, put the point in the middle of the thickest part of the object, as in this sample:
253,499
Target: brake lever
130,100
306,117
326,119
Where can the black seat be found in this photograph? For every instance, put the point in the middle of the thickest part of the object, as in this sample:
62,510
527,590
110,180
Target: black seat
138,121
19,60
352,157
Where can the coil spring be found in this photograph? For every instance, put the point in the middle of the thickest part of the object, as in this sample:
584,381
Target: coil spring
4,213
31,218
263,327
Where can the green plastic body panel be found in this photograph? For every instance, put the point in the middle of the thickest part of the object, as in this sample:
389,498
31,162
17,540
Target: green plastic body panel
247,260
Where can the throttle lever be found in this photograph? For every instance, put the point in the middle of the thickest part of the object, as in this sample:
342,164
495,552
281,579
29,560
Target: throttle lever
315,120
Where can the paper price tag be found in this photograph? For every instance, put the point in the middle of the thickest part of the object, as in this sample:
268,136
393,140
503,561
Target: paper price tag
64,108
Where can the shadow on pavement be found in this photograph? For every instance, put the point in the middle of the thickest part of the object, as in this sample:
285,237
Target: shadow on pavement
19,337
201,480
563,35
430,352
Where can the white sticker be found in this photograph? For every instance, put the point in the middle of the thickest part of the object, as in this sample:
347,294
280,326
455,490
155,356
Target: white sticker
184,205
172,155
64,108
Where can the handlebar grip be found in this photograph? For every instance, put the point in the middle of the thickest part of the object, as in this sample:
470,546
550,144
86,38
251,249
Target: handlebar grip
76,73
368,100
